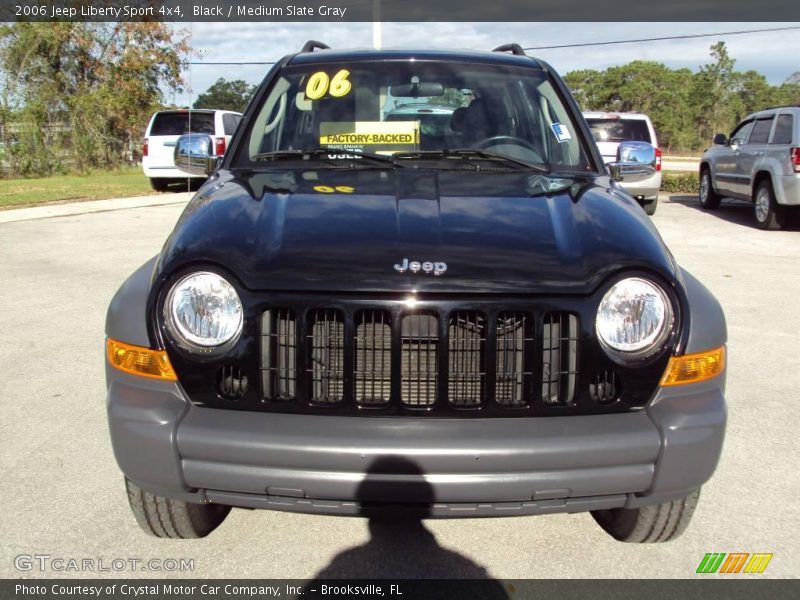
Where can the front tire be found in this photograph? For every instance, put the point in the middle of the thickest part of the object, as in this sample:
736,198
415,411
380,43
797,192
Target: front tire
709,199
649,524
769,214
169,518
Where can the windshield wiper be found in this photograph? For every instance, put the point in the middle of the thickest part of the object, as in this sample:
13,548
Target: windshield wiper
326,153
466,154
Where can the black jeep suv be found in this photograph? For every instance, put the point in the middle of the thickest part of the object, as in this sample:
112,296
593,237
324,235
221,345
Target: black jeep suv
476,306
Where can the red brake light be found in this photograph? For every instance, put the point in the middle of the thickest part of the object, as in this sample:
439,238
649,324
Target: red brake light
658,159
219,146
144,147
796,159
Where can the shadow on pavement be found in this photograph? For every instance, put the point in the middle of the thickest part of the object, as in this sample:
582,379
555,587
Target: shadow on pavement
739,212
400,546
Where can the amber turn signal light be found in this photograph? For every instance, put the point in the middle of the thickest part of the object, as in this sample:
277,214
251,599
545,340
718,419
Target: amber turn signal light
694,368
137,360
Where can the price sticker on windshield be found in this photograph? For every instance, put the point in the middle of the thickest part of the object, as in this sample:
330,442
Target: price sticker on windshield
561,132
320,84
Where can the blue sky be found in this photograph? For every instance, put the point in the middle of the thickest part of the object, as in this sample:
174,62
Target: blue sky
776,54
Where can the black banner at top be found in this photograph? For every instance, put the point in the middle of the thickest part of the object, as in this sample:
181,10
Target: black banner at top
399,10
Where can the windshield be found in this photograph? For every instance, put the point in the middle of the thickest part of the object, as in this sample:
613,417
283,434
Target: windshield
424,108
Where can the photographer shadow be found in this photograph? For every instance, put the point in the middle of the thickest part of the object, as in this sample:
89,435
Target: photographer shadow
400,546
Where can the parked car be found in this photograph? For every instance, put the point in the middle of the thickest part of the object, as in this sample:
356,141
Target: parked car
760,162
344,323
166,126
609,129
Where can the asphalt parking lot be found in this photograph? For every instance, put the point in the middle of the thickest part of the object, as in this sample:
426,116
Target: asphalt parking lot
62,494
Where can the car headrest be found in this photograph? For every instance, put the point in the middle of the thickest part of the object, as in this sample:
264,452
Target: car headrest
458,120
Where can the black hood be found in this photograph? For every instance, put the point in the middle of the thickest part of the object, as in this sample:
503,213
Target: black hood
344,230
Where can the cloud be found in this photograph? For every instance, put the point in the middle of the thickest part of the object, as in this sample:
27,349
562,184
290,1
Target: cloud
248,42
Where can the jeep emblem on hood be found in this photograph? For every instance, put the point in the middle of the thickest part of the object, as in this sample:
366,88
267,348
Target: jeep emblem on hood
437,268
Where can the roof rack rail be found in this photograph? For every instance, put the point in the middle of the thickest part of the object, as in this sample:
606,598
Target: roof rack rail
515,49
312,45
779,106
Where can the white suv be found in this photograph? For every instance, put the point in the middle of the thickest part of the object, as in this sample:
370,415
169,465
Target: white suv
609,129
167,126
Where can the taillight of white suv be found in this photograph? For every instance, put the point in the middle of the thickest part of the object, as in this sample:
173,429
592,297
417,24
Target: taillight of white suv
658,159
796,159
144,147
219,146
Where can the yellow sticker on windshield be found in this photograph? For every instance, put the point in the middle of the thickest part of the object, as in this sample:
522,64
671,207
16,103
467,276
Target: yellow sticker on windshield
320,84
391,136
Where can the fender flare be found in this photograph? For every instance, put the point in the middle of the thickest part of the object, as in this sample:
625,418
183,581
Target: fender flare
707,326
126,319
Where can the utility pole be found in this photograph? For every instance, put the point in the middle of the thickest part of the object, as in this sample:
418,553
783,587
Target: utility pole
377,42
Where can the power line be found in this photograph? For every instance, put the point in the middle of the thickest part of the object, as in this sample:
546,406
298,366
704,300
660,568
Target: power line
230,63
658,39
607,43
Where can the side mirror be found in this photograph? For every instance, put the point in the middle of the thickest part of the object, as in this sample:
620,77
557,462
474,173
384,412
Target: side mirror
636,161
720,139
194,154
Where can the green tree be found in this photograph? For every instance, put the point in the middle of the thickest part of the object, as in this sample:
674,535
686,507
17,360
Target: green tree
79,95
714,87
226,95
754,92
789,91
641,86
588,87
686,108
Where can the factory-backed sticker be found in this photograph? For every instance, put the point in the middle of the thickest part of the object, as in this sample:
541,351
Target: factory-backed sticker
561,132
369,136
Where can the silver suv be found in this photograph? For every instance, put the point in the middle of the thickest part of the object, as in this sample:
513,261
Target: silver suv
759,162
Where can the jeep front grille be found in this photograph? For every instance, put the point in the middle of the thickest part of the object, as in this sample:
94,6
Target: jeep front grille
514,350
559,358
419,369
326,365
279,354
373,368
466,369
431,361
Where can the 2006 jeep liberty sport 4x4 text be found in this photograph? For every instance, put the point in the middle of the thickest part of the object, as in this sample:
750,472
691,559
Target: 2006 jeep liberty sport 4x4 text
413,267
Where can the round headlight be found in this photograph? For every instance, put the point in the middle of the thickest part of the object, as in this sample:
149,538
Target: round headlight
634,318
203,310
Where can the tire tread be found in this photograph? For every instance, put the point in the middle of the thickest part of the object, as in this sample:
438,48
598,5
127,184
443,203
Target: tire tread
649,524
165,517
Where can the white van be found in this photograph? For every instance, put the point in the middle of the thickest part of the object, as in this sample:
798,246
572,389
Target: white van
167,126
611,128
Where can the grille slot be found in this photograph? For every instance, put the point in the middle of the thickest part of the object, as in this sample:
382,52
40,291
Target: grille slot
559,358
279,354
231,382
325,344
514,374
373,370
419,372
605,387
466,365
